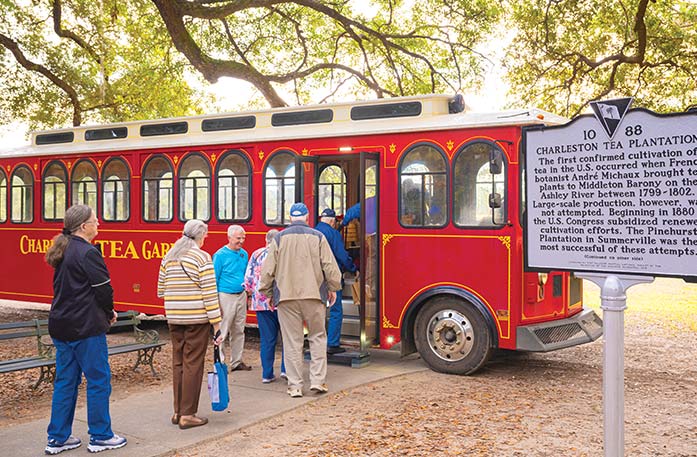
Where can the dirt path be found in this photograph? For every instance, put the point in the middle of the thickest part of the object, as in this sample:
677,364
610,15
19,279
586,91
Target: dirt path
537,405
518,405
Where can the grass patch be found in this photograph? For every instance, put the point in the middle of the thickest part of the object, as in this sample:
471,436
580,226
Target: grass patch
669,303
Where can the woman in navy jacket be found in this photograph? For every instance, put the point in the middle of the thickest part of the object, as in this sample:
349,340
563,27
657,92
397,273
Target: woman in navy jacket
81,313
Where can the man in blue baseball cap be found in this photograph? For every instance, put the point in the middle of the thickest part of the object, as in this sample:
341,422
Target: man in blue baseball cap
343,259
298,209
300,273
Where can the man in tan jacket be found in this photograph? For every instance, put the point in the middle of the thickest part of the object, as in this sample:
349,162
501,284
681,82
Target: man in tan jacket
300,272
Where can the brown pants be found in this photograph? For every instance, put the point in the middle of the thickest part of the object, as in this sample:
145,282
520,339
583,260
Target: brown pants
189,344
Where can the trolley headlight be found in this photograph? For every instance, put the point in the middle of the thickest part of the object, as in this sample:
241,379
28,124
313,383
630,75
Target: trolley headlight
542,278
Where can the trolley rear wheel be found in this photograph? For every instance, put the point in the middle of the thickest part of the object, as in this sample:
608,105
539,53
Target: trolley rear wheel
452,336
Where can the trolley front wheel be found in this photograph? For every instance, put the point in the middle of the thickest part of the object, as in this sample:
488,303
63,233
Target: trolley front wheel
452,336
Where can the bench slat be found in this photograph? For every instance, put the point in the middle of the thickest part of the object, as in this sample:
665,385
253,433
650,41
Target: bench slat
16,335
26,364
14,325
123,348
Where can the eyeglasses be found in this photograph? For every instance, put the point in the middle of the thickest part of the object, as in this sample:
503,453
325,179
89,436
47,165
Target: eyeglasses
92,222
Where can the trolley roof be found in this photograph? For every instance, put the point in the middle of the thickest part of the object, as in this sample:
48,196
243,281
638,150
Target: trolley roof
393,115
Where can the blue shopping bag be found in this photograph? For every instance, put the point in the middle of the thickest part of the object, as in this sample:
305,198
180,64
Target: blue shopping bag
217,383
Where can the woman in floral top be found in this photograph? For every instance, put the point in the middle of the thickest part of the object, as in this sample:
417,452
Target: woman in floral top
267,316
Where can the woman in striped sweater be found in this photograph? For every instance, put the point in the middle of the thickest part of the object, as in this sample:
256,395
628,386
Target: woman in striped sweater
187,284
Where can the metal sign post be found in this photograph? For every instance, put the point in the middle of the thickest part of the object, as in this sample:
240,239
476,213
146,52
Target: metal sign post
613,301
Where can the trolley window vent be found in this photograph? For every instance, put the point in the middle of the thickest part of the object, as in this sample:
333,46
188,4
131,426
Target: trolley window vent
406,109
319,116
575,289
106,134
566,332
556,285
55,138
229,123
171,128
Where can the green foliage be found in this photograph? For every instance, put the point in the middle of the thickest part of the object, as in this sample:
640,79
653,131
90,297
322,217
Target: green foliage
127,68
569,52
393,48
121,60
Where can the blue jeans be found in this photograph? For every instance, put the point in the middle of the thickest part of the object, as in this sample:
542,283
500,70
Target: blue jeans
88,356
336,316
268,333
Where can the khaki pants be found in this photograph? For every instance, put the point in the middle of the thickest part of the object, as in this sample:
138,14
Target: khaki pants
291,314
189,344
234,310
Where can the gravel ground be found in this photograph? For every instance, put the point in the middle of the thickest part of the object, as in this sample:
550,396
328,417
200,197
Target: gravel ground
517,405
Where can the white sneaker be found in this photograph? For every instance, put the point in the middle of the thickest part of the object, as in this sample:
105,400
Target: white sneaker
295,392
320,388
54,447
114,442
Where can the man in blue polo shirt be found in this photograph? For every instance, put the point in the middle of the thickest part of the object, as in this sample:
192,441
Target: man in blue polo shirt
230,263
343,259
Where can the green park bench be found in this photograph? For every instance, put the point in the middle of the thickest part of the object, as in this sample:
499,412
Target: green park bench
145,342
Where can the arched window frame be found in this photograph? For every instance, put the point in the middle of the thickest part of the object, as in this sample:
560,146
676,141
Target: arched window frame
58,206
341,209
78,188
218,186
285,219
4,191
182,180
445,173
158,181
503,184
27,207
126,191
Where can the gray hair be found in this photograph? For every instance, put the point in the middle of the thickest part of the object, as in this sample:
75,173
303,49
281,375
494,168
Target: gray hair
271,235
303,218
234,229
193,233
74,217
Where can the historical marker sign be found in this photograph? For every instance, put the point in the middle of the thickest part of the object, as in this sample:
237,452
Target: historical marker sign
615,193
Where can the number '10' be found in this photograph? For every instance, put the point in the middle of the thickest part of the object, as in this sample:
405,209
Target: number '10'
589,134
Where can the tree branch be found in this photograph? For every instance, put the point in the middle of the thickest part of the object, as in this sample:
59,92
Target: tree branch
19,56
64,33
211,69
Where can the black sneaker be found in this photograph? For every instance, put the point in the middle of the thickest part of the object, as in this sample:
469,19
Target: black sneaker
335,350
54,447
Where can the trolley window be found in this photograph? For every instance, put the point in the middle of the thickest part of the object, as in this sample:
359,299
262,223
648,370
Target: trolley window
55,191
158,190
194,188
22,195
479,188
233,180
84,184
332,189
423,186
115,191
3,196
279,188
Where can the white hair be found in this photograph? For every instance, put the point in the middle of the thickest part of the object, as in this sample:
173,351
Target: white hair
234,229
302,218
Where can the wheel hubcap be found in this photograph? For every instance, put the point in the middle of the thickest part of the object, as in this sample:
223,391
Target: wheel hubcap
450,335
